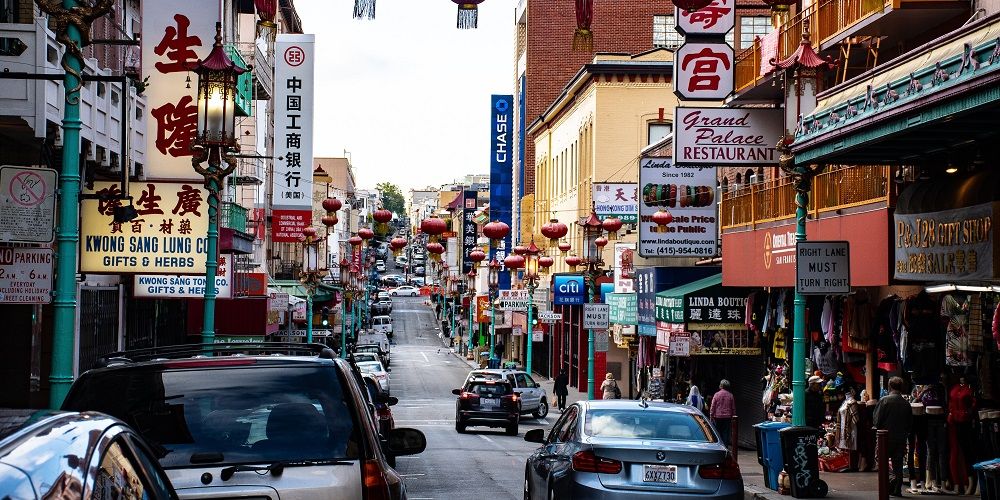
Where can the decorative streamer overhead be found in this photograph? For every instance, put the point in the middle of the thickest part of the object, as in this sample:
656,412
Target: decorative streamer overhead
583,37
468,13
364,9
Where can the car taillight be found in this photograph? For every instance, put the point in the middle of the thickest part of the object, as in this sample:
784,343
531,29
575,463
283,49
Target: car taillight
728,469
469,395
376,487
586,461
384,413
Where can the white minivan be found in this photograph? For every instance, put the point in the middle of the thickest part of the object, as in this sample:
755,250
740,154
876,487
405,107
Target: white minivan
382,324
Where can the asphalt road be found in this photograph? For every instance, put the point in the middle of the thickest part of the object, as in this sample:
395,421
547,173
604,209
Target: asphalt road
483,462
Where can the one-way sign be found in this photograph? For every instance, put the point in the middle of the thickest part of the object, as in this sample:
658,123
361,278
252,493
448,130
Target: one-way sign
596,316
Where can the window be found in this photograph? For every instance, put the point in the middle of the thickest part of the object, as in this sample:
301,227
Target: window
658,131
665,32
641,424
752,27
118,477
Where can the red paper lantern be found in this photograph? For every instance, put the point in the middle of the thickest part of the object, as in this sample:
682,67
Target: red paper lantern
553,230
691,5
513,262
496,230
612,224
382,216
545,262
329,220
309,232
601,242
477,256
468,13
365,233
564,247
662,217
433,226
435,249
779,5
397,243
573,261
583,38
520,250
266,9
355,240
332,204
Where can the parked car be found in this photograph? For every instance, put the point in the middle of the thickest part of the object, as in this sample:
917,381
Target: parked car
406,290
381,403
382,324
417,281
532,394
402,260
379,338
374,368
364,357
283,420
76,456
392,281
418,269
380,266
381,309
375,349
383,295
627,449
489,403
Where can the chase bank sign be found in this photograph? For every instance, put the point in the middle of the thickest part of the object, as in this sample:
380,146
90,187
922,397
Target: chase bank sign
568,290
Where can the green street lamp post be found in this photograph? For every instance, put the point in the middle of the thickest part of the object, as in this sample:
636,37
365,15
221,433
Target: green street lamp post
494,288
531,283
470,287
311,274
345,277
592,229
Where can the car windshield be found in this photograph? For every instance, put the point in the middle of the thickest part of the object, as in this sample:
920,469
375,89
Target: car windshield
647,424
486,375
228,415
366,349
364,356
488,390
370,367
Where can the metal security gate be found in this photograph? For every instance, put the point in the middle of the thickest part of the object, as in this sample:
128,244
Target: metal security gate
100,324
155,323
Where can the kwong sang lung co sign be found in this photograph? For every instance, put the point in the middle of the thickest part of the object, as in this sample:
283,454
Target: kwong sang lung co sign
726,136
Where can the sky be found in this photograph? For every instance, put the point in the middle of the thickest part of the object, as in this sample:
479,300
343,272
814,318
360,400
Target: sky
407,94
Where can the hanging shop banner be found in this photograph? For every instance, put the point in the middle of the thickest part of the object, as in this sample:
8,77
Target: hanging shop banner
949,246
687,193
175,37
501,175
624,268
726,136
667,334
617,200
623,308
568,289
167,286
26,275
715,306
724,343
293,121
716,18
287,225
28,204
703,70
645,288
680,345
670,309
469,201
482,309
169,236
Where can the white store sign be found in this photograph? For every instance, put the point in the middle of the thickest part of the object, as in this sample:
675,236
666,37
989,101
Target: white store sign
513,300
549,317
596,316
717,18
28,204
822,267
624,267
726,136
26,275
166,286
688,194
293,120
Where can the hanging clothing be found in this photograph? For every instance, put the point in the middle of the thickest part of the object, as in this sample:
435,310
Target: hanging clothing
847,429
779,350
975,323
956,337
887,348
859,325
826,320
825,358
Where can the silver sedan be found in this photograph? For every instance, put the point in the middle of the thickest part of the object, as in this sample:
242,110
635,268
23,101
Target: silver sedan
616,449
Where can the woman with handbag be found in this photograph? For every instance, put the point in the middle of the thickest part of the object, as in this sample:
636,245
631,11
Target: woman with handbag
609,388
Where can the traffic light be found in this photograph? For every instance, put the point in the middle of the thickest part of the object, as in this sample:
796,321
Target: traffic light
326,316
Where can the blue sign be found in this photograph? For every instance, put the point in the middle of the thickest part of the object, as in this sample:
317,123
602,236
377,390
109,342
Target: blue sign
568,289
502,175
649,280
606,288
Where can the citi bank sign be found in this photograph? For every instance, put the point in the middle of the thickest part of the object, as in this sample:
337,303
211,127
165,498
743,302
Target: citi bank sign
568,290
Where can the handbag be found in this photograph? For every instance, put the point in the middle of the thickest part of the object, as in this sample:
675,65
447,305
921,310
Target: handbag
618,392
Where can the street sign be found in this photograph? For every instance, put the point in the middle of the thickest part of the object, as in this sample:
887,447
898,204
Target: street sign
601,341
680,346
513,300
596,316
28,205
26,275
549,317
822,268
537,336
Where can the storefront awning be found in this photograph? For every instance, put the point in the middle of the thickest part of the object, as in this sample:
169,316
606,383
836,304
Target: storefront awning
324,293
670,303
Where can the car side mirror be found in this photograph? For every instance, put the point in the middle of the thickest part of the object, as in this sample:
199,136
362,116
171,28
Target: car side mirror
404,441
535,436
393,401
387,370
457,392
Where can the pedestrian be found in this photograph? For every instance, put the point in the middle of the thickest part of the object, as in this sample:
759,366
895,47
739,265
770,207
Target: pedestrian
609,388
815,413
655,389
561,389
893,413
694,399
498,350
722,411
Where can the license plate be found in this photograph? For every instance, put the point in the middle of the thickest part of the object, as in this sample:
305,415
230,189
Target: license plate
659,474
489,403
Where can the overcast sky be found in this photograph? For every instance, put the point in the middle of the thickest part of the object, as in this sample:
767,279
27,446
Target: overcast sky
407,94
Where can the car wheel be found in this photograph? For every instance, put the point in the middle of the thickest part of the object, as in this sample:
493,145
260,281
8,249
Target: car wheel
512,430
542,410
391,460
460,427
393,294
413,294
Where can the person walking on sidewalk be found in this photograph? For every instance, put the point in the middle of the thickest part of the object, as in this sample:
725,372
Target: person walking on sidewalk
894,414
609,388
815,412
561,389
694,399
722,411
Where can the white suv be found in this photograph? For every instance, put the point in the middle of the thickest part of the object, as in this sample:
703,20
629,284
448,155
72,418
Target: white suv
533,397
382,324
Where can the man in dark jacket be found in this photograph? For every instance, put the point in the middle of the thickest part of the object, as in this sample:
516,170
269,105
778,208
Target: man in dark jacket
561,389
815,412
894,414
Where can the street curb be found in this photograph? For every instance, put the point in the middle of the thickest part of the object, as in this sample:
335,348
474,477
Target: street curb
752,493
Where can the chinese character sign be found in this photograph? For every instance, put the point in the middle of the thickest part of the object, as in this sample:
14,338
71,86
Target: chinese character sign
703,70
717,18
617,200
176,35
293,121
168,236
469,231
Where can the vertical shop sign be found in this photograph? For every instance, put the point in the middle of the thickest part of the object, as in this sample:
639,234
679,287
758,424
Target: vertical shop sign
176,36
688,194
293,135
703,70
716,18
645,288
469,231
501,175
624,267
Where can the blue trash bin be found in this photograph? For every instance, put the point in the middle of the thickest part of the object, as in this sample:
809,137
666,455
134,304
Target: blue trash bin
769,451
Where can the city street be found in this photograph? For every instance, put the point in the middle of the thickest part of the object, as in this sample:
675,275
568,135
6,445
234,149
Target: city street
423,375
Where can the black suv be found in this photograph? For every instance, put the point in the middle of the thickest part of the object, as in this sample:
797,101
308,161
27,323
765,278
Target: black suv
488,403
253,419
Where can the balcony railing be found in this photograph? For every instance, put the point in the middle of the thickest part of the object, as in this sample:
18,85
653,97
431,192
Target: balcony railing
234,216
826,21
836,189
